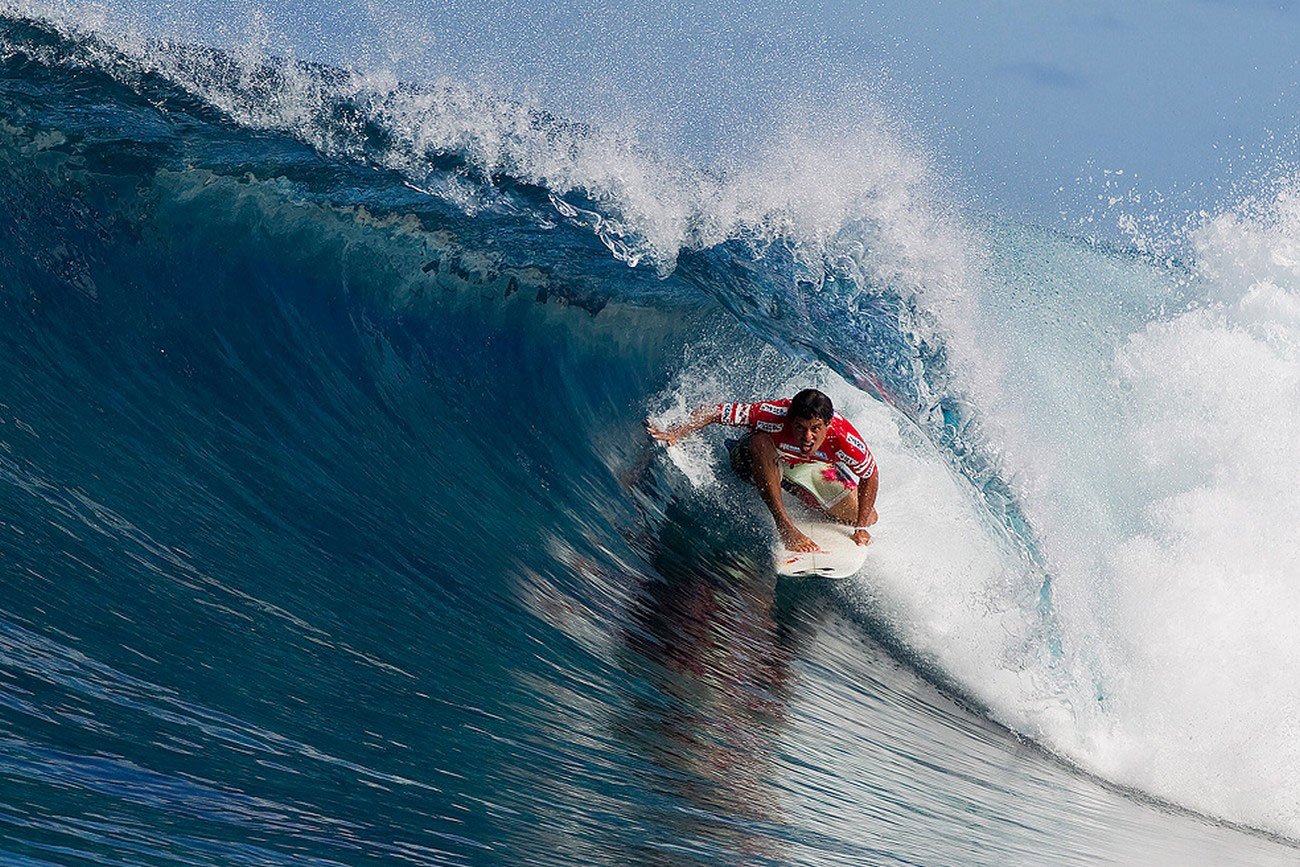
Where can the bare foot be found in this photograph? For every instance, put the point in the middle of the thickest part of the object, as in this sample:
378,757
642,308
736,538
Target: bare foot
794,540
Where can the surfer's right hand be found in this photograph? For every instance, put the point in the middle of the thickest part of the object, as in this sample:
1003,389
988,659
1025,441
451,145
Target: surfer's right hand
667,437
793,540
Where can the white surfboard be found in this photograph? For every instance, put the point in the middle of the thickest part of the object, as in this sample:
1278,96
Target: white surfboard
839,556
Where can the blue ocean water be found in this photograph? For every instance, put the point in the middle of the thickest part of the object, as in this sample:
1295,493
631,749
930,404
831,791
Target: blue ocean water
329,532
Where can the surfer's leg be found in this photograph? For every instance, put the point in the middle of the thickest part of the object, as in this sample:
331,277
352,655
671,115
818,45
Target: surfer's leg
846,510
837,490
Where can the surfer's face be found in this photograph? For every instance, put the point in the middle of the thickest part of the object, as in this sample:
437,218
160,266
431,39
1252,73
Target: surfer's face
808,433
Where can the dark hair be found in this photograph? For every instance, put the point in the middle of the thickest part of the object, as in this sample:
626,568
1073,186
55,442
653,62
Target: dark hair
811,403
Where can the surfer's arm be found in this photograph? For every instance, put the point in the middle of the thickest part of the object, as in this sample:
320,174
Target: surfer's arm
867,490
699,420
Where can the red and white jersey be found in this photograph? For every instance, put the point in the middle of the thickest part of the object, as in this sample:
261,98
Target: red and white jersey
843,444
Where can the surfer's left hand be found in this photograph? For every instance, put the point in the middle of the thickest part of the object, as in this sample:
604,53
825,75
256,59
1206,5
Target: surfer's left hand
861,537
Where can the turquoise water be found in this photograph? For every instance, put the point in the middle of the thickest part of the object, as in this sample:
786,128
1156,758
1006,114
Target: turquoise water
329,533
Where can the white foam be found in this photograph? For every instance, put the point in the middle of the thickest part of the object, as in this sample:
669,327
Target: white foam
1206,589
1154,456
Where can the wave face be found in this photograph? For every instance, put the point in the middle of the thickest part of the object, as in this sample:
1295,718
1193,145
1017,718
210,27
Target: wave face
330,530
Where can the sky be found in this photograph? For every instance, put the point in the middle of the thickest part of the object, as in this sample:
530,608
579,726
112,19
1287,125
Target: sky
1191,100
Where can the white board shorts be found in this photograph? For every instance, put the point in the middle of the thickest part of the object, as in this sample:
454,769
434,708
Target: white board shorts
820,485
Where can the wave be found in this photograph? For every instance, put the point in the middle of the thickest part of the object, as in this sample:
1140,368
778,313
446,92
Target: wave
1086,451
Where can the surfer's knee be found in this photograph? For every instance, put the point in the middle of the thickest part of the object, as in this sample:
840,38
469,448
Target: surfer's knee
761,446
762,459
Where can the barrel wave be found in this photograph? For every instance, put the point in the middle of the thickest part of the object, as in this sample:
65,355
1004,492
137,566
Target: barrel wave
329,530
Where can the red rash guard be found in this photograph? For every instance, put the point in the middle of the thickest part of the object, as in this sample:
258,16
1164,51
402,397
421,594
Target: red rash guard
843,444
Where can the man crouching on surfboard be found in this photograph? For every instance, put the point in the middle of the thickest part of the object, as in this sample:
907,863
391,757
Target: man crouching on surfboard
802,443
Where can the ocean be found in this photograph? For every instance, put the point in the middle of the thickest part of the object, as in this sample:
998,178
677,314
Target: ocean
330,532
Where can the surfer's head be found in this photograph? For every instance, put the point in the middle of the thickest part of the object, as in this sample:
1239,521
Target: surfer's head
809,418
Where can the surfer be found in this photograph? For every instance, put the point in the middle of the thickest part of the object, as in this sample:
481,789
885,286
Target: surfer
803,443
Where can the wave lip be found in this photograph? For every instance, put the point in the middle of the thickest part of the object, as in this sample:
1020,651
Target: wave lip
814,183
